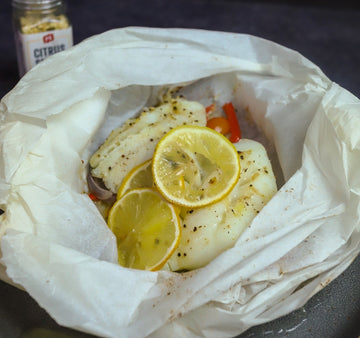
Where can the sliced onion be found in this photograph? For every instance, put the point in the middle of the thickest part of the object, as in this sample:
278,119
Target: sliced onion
97,187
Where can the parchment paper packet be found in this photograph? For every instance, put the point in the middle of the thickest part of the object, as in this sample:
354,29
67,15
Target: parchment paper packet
57,247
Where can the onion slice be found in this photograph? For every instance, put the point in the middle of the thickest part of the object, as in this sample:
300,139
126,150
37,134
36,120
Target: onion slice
97,187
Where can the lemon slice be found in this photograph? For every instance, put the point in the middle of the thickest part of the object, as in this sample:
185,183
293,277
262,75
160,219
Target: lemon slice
195,166
147,229
138,177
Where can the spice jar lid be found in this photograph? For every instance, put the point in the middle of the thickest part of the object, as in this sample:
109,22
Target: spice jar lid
36,4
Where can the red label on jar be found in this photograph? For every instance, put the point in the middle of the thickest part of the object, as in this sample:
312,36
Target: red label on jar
48,38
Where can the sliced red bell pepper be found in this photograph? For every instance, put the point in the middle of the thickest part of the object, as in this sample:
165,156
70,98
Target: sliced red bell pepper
210,108
235,132
92,196
220,124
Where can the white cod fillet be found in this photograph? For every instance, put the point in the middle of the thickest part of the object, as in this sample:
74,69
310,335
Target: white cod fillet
206,232
134,142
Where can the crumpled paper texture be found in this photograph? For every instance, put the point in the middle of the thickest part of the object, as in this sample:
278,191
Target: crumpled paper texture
58,248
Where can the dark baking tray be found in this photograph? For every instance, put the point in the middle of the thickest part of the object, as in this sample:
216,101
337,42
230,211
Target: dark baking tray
327,34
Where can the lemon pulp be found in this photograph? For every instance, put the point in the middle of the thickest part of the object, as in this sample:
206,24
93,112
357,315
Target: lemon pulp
147,229
195,166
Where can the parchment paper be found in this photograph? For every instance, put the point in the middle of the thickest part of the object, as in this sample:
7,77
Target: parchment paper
57,247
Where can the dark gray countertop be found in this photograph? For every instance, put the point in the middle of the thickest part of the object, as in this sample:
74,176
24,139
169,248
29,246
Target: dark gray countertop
327,35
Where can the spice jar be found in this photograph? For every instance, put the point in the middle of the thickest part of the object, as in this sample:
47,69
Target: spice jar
42,29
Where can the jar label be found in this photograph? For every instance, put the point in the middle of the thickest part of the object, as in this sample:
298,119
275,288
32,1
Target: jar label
34,48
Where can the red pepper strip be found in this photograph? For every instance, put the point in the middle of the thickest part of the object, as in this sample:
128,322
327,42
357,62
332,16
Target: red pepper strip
235,131
92,196
210,108
220,124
